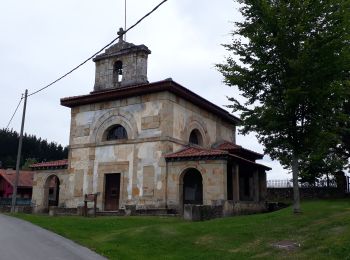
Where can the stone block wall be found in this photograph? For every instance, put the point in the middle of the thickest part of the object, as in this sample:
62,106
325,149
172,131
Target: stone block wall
214,176
243,207
226,209
134,71
187,116
156,124
40,188
18,209
202,212
286,194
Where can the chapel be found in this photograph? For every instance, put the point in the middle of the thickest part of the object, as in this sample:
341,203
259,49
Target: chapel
150,145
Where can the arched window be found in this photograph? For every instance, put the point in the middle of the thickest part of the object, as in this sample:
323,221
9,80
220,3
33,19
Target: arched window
116,132
118,71
196,137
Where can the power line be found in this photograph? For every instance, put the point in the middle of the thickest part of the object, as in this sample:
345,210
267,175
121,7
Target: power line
85,61
14,113
92,56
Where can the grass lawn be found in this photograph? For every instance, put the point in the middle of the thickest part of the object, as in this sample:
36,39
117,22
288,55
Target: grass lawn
322,230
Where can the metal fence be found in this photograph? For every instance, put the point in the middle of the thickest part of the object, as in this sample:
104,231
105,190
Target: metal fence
289,184
19,202
279,183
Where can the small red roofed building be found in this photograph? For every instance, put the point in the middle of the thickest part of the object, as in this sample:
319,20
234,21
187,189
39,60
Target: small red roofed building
7,180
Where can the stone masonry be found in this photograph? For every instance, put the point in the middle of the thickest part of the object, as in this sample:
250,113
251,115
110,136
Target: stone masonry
173,146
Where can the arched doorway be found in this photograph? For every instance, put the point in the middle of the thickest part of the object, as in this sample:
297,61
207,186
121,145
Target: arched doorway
52,191
192,187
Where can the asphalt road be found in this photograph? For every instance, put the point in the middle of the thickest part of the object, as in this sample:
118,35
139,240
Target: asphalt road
21,240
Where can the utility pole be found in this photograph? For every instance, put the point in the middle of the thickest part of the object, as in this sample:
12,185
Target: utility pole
14,193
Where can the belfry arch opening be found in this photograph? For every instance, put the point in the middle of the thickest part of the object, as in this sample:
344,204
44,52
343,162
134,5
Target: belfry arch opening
118,71
196,137
192,187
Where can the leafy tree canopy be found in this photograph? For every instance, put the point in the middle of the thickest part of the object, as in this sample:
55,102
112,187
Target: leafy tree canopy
33,150
291,61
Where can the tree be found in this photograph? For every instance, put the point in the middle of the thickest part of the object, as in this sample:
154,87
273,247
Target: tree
291,62
33,149
316,170
28,163
344,149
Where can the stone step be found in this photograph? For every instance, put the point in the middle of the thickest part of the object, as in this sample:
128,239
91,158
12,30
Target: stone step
111,213
160,215
140,212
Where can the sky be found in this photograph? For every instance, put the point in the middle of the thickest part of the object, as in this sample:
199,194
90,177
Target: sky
41,40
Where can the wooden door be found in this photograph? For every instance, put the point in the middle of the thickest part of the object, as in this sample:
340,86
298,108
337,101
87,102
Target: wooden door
112,191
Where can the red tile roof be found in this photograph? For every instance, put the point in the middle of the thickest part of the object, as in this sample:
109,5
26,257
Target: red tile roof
51,164
228,146
237,149
250,162
195,152
25,177
189,153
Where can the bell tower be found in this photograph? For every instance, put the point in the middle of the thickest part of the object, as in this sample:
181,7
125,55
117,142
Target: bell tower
123,64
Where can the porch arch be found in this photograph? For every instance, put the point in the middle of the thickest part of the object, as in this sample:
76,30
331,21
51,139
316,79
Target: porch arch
191,187
51,196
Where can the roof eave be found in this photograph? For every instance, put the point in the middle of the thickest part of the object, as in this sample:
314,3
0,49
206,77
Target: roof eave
197,158
165,85
257,155
250,162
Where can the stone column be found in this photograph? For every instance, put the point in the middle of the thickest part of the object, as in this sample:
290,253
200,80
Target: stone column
256,185
90,173
38,198
263,186
235,182
224,181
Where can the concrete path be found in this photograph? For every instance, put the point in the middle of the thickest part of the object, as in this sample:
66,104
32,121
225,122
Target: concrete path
21,240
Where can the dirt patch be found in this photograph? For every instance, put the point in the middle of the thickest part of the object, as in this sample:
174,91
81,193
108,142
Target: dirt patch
286,245
262,255
247,247
337,230
205,240
168,230
235,250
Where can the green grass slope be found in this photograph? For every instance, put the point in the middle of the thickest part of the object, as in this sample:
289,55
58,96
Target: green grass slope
322,231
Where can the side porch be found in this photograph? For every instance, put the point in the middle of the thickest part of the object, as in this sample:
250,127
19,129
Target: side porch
207,183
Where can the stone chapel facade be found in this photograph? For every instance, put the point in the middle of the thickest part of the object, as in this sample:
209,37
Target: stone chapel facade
151,145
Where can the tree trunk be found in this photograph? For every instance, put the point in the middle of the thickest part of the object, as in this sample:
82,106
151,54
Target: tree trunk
296,193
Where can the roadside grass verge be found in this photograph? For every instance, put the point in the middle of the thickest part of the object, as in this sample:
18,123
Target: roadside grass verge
322,231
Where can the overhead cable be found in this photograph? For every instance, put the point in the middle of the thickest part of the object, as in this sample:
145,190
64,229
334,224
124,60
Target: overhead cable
14,113
96,53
